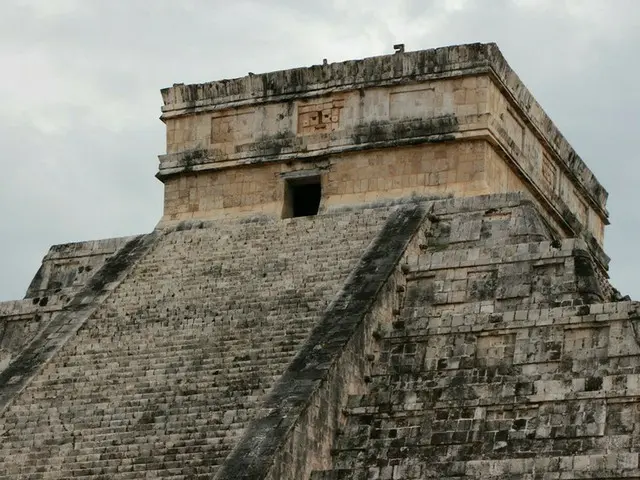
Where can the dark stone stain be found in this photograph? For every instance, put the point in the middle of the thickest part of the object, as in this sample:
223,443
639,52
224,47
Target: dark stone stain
519,424
584,310
192,158
586,279
392,131
274,144
484,288
583,266
592,384
420,291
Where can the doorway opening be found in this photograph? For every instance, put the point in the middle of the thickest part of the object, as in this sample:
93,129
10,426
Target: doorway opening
302,196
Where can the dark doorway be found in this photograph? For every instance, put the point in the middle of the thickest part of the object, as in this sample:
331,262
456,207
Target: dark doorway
302,197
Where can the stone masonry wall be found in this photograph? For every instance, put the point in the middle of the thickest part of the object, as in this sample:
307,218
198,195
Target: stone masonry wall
444,169
503,363
550,177
310,124
387,70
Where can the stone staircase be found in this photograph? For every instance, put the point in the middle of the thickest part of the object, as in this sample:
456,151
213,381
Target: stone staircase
162,379
511,358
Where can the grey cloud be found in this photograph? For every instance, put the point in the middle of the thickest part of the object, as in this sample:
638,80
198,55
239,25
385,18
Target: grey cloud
80,133
71,187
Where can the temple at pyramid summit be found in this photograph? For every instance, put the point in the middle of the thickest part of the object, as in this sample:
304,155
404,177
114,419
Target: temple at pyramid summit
385,269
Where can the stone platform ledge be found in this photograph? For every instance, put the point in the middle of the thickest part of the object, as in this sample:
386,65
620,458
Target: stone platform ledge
15,309
571,316
462,256
86,248
525,402
386,70
455,256
571,466
456,205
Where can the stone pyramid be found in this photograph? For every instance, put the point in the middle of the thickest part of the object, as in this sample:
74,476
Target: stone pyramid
389,268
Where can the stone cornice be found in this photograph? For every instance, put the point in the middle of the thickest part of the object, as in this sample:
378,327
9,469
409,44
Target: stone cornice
201,160
205,105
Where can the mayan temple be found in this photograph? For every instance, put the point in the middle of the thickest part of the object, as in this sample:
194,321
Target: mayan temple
389,268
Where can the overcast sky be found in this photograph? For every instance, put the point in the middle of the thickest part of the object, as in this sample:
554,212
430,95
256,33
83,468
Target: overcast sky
80,81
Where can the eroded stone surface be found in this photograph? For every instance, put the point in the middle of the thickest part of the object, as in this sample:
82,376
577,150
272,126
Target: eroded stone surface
507,360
